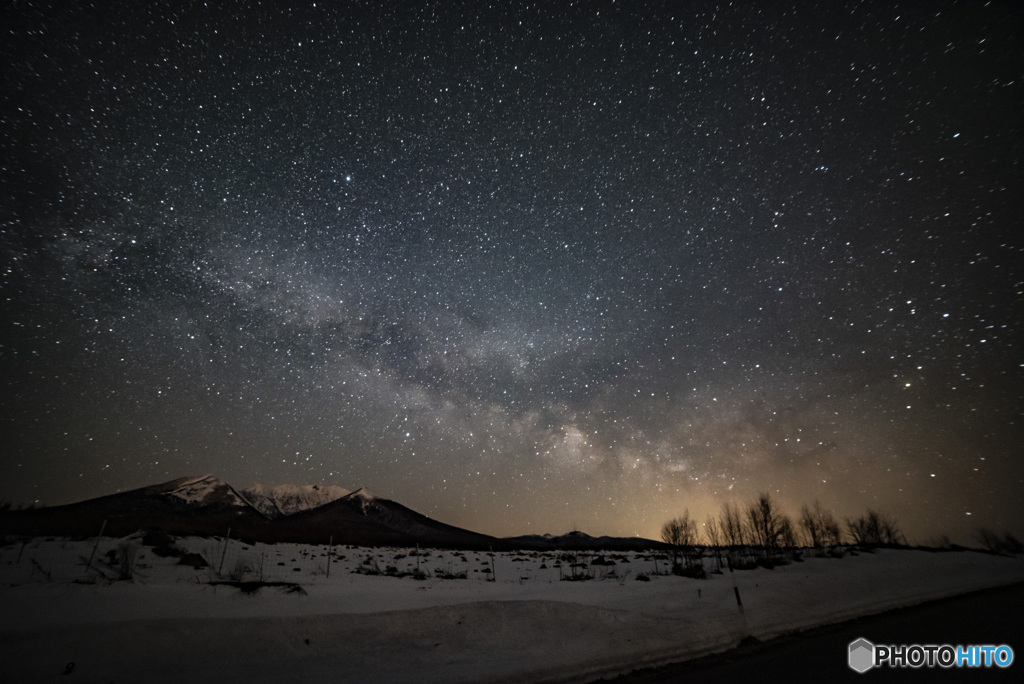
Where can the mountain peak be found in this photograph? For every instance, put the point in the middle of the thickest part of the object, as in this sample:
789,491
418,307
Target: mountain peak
205,490
282,500
576,534
363,493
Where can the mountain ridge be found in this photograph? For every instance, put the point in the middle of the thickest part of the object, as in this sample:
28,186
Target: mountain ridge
287,499
208,506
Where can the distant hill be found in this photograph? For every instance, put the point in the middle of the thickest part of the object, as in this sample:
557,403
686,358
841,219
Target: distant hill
311,514
579,541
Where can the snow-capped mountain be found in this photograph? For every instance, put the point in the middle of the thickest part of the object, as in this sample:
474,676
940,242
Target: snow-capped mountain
282,500
187,505
364,518
363,497
207,490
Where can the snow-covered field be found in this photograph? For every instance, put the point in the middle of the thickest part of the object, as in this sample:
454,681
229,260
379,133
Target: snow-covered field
510,619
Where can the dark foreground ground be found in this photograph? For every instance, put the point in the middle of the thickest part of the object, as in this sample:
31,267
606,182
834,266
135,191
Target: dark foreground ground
993,616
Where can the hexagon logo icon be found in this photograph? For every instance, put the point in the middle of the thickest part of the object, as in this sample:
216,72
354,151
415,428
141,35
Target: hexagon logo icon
861,655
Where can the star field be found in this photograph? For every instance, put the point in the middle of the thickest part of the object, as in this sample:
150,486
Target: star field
520,267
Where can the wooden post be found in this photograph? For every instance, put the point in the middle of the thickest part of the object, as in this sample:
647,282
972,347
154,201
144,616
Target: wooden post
736,590
224,553
330,549
96,545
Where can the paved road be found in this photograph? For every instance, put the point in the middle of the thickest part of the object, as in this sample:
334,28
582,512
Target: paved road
994,616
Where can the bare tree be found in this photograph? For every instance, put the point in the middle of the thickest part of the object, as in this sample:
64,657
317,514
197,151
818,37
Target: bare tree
819,526
731,525
680,533
786,534
810,525
714,536
996,544
763,523
891,532
875,528
671,532
689,528
988,539
712,532
861,530
992,542
831,534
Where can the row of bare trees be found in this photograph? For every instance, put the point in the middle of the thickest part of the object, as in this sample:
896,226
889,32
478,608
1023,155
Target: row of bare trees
763,525
875,528
992,542
819,526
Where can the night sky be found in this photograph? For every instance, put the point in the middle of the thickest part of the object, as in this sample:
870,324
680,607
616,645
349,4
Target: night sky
524,267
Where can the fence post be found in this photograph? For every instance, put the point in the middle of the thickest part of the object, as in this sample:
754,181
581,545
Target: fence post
224,553
95,546
330,550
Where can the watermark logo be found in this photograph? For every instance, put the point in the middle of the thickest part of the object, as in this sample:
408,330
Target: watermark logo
862,655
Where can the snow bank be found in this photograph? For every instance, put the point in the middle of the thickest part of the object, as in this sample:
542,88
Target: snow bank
169,625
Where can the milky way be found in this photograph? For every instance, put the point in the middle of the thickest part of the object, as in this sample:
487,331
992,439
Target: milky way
523,268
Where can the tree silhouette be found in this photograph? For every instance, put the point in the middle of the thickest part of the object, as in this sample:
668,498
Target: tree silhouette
731,525
714,536
680,533
765,524
875,528
819,526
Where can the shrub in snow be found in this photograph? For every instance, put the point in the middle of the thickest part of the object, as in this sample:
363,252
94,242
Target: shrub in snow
127,550
194,560
167,551
449,575
157,538
691,570
369,566
1011,544
240,570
